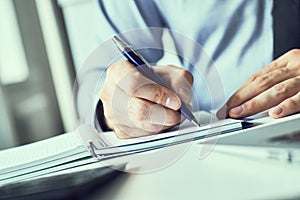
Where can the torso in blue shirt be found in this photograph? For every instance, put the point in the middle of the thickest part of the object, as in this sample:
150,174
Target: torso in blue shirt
237,35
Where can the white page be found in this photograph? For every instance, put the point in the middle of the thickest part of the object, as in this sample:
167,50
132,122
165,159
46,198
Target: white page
39,152
186,132
131,148
44,164
207,121
51,154
44,171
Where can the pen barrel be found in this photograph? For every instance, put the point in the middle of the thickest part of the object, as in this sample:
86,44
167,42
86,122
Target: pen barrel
133,57
184,110
145,69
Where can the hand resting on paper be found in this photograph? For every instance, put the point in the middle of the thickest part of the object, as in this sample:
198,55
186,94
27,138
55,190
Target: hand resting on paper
275,87
135,106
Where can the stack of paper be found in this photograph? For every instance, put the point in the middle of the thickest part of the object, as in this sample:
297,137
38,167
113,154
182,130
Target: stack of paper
108,145
43,157
85,146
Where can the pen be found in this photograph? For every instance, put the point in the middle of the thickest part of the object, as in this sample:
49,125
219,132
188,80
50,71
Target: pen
146,70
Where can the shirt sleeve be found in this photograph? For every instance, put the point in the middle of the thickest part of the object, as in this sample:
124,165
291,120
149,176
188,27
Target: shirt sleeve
130,19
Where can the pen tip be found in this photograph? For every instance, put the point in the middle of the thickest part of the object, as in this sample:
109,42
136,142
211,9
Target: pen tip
194,121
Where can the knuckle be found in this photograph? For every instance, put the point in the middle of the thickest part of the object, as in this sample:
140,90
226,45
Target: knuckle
235,99
284,70
296,67
181,74
297,82
115,67
159,95
124,63
280,89
187,75
264,81
111,69
185,95
294,52
248,105
251,106
291,104
253,77
275,64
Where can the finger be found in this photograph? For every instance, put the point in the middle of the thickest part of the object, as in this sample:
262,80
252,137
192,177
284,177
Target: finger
179,79
267,99
143,112
287,60
170,72
117,105
259,85
279,63
145,118
284,65
126,76
114,109
287,107
126,132
159,95
118,70
222,113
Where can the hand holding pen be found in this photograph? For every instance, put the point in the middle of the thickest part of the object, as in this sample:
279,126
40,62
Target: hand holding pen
135,105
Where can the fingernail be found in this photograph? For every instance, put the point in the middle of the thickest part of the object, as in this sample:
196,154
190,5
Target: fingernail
222,112
236,110
277,110
172,103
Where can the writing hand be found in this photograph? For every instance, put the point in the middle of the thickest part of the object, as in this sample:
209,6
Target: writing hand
135,106
275,87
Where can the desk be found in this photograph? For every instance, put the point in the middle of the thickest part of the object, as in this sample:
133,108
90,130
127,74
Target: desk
218,176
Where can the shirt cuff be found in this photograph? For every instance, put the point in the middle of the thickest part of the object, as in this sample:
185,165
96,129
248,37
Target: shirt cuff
100,118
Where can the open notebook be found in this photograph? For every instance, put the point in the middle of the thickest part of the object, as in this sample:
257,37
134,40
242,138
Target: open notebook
85,146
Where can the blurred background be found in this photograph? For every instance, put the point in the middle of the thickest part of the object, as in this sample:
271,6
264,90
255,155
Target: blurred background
42,44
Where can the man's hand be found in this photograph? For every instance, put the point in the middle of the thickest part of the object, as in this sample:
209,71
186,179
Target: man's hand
136,106
277,86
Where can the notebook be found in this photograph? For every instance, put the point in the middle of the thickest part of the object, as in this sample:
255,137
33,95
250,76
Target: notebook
84,146
43,157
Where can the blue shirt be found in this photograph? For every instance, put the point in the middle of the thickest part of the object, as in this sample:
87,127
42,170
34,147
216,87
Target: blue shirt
221,42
